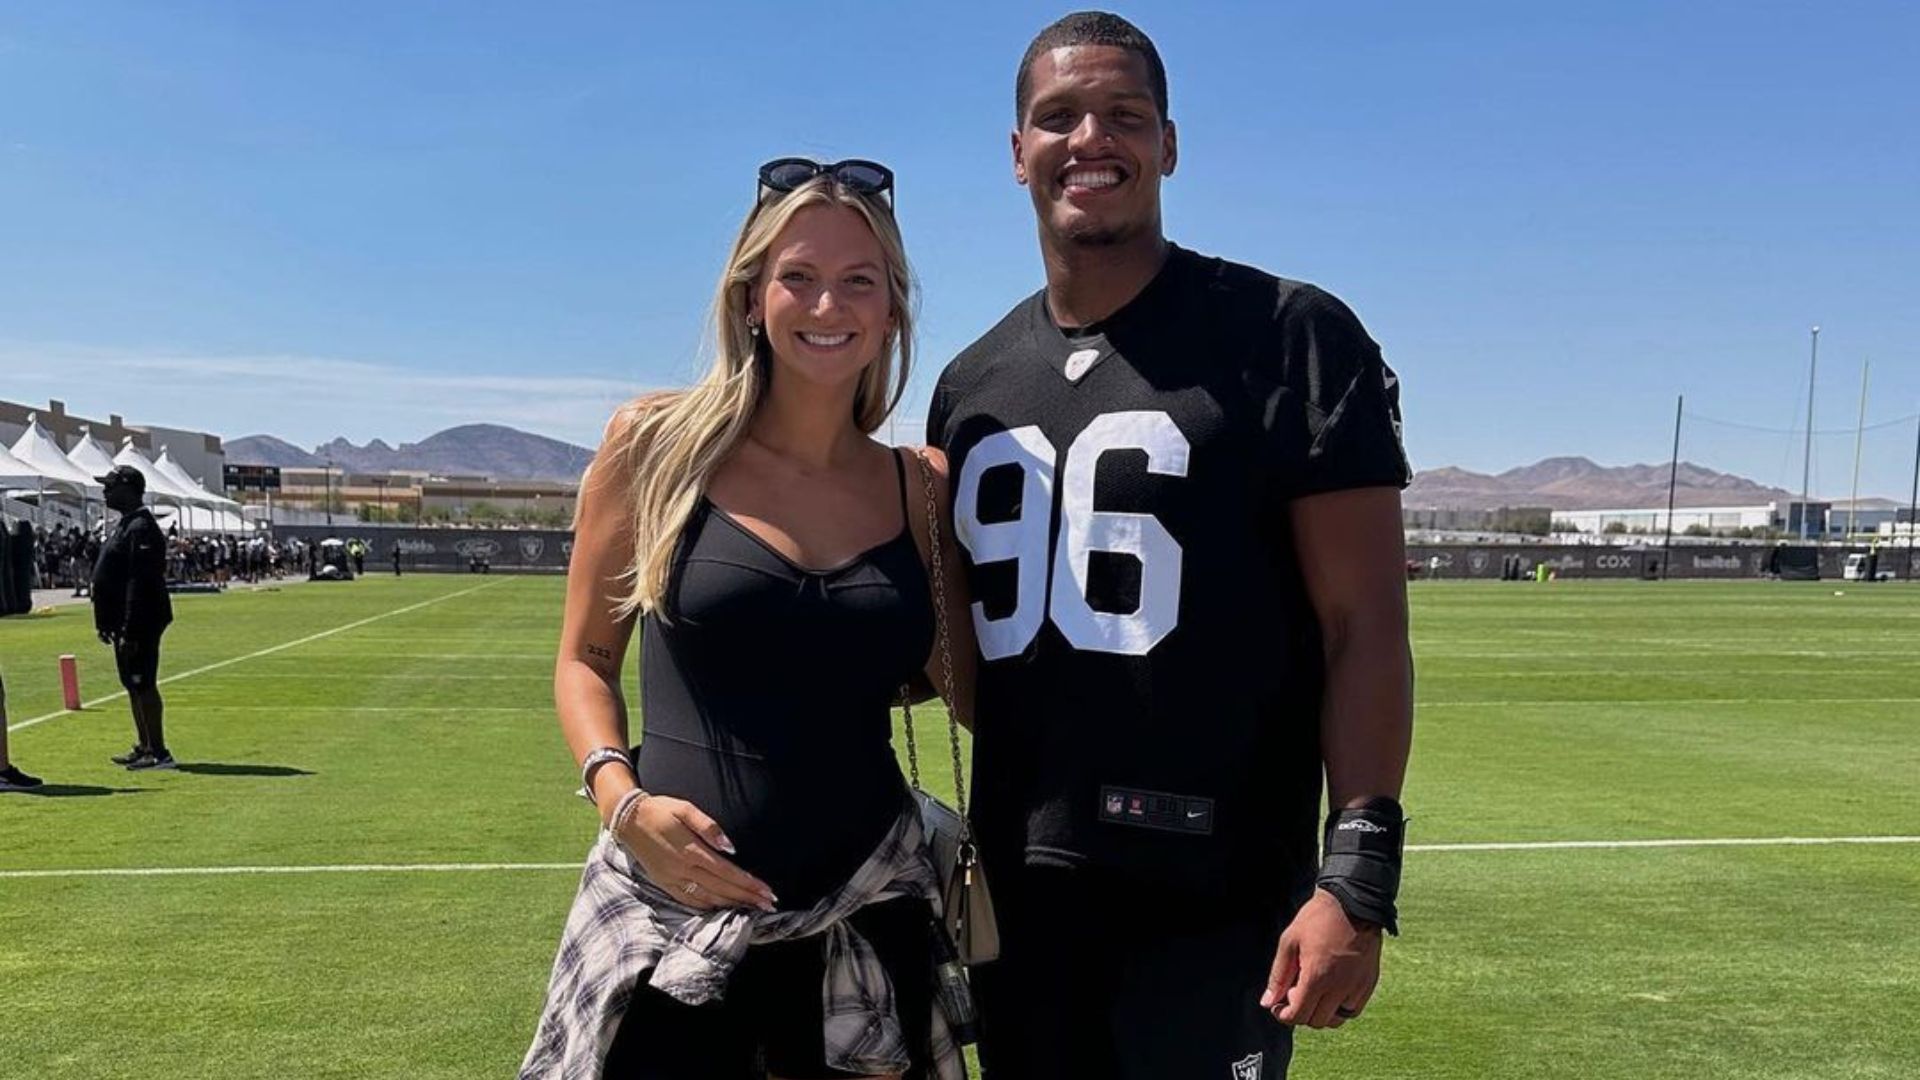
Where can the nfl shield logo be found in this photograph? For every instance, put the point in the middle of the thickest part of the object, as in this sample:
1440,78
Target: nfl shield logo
531,547
1248,1068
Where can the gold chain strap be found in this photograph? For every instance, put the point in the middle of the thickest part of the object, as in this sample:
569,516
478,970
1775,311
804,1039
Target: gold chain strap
945,690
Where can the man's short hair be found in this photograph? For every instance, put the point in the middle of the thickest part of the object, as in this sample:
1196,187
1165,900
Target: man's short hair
1091,28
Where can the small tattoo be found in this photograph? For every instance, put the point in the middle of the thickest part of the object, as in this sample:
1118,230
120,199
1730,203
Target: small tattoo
600,651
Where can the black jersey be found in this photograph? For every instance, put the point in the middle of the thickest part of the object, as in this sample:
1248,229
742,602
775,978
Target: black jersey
1151,679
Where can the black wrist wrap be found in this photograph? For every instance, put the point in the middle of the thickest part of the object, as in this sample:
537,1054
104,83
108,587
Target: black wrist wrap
1360,861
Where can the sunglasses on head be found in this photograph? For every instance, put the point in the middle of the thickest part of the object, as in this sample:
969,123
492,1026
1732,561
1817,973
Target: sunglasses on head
865,177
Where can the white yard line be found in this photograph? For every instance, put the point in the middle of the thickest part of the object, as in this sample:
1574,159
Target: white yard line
1690,842
1504,702
268,651
442,868
403,674
359,868
543,708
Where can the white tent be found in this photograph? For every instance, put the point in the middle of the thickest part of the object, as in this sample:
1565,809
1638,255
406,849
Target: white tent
161,490
37,449
89,455
178,475
18,475
201,519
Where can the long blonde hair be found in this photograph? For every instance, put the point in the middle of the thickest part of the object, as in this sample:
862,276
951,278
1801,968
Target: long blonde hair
671,444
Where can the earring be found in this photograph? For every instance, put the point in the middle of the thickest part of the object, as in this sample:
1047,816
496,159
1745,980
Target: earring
753,329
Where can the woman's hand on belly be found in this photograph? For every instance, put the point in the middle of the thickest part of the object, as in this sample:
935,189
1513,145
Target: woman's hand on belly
684,852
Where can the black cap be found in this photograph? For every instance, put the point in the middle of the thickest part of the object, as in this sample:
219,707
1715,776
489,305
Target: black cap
124,474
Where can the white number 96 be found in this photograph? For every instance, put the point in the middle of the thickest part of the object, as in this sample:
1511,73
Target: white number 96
1084,530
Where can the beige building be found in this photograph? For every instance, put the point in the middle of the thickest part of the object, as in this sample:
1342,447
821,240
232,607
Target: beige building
65,428
415,496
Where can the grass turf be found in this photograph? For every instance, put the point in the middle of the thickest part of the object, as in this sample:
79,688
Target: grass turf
422,733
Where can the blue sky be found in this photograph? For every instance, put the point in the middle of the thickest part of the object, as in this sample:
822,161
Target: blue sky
383,219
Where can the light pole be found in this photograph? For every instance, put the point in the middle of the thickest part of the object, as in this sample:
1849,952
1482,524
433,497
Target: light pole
1913,503
380,486
329,502
1806,460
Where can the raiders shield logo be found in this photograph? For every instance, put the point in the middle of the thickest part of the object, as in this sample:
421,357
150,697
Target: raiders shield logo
1248,1068
531,547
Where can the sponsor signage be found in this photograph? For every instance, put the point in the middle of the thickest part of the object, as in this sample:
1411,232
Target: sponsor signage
449,549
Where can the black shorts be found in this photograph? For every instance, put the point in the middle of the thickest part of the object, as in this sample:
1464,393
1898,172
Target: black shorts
1097,979
138,661
771,1020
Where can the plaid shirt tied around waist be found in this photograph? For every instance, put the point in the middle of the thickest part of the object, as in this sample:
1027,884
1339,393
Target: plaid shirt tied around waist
622,928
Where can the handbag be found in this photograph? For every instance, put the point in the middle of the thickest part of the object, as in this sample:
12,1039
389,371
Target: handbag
967,903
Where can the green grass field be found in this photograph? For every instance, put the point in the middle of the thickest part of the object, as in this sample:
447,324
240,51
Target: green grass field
407,724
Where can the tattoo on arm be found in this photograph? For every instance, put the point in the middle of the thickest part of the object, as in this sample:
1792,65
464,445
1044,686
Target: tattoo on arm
599,651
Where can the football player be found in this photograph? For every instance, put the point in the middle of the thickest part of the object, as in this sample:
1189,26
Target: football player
1177,489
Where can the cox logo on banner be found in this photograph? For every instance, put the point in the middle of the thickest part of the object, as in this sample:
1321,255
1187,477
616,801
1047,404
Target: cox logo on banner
1612,562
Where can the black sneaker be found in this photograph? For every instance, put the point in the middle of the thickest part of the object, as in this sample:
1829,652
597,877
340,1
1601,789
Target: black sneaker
12,779
160,760
128,757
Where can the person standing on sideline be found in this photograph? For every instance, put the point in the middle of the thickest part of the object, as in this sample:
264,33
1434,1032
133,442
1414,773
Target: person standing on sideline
1177,490
11,777
131,610
396,558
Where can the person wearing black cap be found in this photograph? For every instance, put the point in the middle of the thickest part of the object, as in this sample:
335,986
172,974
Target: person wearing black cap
131,610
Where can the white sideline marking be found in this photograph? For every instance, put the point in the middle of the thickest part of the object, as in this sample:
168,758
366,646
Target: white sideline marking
408,674
1501,702
543,707
1684,842
442,868
268,651
360,868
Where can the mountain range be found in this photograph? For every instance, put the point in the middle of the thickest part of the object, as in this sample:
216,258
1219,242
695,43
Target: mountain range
1561,483
1576,483
468,450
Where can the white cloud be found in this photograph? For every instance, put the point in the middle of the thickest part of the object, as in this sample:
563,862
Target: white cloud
304,399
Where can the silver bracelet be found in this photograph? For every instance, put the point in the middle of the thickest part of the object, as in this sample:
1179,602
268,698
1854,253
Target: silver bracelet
594,760
624,807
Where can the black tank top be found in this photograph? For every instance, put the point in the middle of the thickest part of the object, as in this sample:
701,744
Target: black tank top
765,697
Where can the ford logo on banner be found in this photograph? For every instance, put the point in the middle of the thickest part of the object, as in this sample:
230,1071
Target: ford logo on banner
467,549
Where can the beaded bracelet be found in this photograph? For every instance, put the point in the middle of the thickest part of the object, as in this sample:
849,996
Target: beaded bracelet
624,807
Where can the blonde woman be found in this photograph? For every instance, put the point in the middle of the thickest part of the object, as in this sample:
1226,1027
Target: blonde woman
759,902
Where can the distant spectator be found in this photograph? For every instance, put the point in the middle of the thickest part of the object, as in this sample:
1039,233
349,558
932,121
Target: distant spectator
11,777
